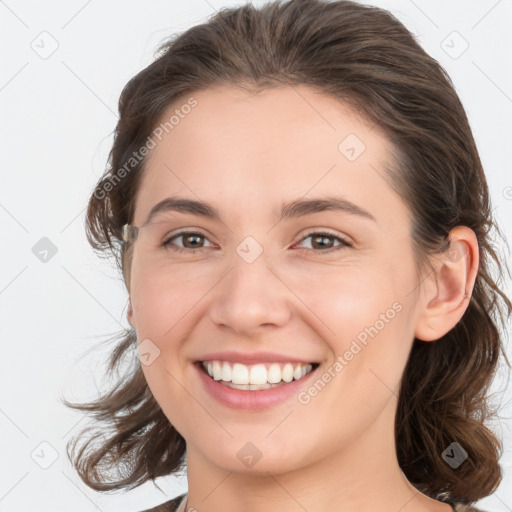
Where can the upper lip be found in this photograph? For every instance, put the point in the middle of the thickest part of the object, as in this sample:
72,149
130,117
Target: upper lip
255,357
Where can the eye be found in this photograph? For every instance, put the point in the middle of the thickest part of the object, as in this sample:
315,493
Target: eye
322,241
189,237
192,240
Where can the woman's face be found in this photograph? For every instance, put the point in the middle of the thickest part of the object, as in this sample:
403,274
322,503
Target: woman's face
336,286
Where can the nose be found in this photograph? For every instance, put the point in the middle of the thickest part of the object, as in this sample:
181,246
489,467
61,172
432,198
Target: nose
250,297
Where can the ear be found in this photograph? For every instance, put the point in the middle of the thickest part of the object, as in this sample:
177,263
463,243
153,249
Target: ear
130,314
447,290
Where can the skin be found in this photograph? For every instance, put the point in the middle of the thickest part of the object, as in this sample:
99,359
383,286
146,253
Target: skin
247,154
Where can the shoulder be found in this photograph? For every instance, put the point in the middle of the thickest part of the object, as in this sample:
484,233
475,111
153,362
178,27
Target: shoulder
461,507
458,506
168,506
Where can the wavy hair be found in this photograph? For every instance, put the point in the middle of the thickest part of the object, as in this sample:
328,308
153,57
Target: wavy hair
365,57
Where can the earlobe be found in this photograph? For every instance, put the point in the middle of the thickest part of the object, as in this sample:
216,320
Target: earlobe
447,290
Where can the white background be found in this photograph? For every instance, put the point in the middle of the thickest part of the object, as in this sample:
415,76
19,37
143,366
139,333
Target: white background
58,114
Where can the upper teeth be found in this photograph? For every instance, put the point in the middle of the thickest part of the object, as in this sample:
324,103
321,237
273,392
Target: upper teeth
271,373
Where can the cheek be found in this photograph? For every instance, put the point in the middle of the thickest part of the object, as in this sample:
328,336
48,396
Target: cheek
164,384
348,298
162,296
364,317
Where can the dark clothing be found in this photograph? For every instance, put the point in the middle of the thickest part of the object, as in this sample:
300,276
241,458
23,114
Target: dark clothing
172,505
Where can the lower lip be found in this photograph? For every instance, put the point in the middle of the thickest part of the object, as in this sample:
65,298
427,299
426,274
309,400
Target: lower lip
256,400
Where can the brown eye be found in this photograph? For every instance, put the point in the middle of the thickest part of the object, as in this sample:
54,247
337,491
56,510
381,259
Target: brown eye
190,240
322,242
325,242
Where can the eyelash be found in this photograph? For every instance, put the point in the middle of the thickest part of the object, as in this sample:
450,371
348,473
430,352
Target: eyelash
344,243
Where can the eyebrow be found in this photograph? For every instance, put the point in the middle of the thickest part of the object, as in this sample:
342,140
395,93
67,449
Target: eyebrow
293,209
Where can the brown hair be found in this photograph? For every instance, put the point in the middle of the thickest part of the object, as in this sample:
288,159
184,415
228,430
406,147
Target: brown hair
365,57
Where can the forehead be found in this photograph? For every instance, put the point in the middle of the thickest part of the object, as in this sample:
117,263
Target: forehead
251,152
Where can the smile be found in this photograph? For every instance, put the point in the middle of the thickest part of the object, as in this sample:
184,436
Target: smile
257,376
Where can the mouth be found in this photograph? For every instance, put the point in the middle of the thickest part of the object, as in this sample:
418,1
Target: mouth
255,377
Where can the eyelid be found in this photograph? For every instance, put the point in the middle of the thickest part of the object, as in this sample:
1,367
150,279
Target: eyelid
187,230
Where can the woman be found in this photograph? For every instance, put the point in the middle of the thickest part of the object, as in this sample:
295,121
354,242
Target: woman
301,217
